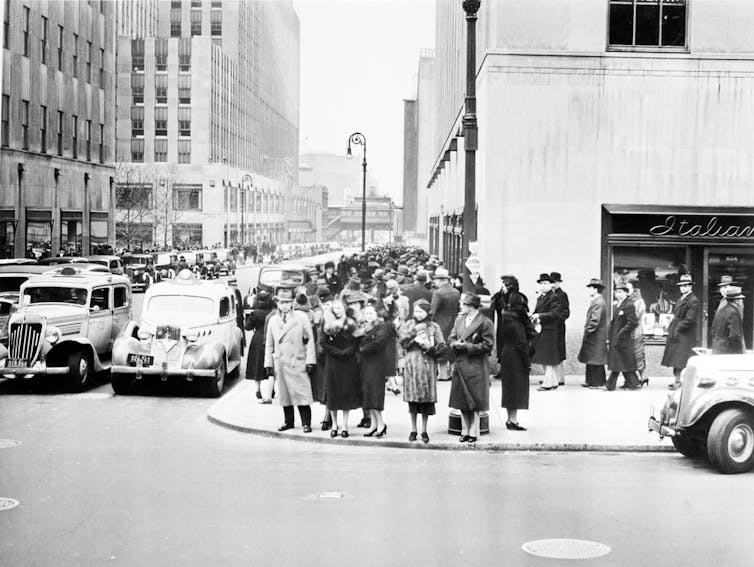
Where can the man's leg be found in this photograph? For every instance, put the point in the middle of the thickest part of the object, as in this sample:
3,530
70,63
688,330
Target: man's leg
306,415
560,373
612,380
677,374
631,380
288,416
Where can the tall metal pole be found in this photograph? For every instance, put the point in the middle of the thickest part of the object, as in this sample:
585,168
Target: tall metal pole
470,139
359,139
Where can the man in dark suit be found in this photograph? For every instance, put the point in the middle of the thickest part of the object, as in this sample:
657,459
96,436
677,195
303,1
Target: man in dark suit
727,326
418,291
620,355
546,315
565,312
682,331
444,310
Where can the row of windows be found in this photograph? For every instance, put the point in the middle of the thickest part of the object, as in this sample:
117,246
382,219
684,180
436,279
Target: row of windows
186,197
160,121
160,89
43,123
161,55
215,21
160,150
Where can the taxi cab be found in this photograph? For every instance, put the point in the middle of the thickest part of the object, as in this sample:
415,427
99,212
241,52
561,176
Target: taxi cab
187,331
65,325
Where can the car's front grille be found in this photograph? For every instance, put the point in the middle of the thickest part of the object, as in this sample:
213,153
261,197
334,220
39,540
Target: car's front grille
24,341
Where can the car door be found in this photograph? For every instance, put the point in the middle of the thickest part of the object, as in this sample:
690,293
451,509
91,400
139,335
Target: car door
121,309
101,319
226,322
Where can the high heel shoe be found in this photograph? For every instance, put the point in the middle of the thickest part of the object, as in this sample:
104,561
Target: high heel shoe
333,433
383,432
512,426
644,382
326,425
370,433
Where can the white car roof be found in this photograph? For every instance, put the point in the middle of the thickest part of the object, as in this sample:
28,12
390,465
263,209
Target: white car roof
187,283
81,279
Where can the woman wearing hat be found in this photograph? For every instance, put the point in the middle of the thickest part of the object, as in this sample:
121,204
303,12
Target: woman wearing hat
593,351
423,341
682,331
727,326
372,368
472,340
547,314
515,364
255,357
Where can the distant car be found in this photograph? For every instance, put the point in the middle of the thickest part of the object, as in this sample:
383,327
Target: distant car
12,277
166,264
113,263
275,276
140,270
712,414
16,261
53,260
187,331
78,267
226,261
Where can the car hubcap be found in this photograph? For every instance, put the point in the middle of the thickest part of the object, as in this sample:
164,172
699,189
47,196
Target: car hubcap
741,443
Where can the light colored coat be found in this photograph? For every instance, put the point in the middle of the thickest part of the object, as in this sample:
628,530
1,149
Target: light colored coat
288,349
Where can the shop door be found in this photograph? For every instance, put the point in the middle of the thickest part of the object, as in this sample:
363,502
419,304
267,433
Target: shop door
738,264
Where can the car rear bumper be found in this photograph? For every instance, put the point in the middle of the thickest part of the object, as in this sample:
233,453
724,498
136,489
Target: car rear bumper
663,430
164,372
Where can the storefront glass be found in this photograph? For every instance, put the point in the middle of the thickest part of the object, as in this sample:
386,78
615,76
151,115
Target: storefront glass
187,235
38,239
70,237
738,264
6,240
98,236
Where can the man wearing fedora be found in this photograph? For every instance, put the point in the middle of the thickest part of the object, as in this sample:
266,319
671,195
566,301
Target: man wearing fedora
547,314
593,351
565,312
444,310
682,331
620,354
727,326
418,290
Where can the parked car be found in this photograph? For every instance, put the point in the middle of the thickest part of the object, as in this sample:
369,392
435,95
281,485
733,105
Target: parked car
712,414
187,331
113,263
166,264
65,325
140,270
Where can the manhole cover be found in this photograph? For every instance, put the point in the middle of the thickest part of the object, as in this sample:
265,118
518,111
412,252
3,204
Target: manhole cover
565,548
89,396
7,503
8,443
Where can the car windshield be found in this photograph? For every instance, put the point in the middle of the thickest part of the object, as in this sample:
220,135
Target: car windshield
51,294
130,260
181,303
273,277
12,283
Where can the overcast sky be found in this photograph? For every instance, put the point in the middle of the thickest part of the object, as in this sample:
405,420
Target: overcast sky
358,62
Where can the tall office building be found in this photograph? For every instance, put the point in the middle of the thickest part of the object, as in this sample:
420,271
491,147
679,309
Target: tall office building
57,130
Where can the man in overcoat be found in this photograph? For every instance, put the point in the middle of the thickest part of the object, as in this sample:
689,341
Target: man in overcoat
727,326
620,356
443,310
726,282
565,312
418,290
547,314
593,351
290,355
682,331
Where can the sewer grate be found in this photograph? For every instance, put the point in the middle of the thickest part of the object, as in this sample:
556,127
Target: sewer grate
566,548
7,503
8,443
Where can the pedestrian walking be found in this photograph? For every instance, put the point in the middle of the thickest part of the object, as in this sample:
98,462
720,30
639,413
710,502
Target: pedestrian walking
254,322
681,337
515,363
341,370
638,333
726,281
593,351
372,371
418,290
547,314
727,326
564,313
444,310
472,339
423,342
289,354
620,355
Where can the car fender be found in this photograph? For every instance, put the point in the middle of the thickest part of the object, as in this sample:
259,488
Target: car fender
205,355
235,354
706,402
125,345
58,353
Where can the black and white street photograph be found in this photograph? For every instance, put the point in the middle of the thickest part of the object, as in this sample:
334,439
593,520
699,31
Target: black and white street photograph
376,283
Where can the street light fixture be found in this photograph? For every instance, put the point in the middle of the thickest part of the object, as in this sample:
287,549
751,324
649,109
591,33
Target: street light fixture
357,138
244,200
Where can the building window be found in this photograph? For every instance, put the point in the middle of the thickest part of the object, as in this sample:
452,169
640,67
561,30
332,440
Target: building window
6,25
137,121
137,54
184,151
160,121
75,135
184,89
196,3
60,132
187,197
161,89
161,54
102,143
26,30
137,88
160,150
217,3
196,22
6,121
137,150
60,48
102,68
43,130
43,42
88,61
184,55
25,124
175,23
88,140
75,56
175,4
647,23
184,122
216,22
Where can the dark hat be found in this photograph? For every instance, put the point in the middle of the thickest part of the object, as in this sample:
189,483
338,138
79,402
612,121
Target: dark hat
734,292
264,298
472,299
596,282
685,279
556,277
545,277
726,280
423,304
301,299
329,265
621,285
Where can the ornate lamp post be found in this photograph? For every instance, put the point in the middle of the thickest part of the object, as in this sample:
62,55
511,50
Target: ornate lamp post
244,199
357,138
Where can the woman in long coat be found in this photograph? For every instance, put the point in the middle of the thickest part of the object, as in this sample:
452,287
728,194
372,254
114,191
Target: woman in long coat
255,356
372,369
422,340
341,371
547,312
472,339
515,365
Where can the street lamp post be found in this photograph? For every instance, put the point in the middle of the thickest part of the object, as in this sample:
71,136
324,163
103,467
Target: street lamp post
244,200
359,139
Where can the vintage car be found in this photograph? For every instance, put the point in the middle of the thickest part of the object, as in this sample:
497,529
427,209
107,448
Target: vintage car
166,264
272,277
140,270
209,265
187,331
65,325
226,261
13,276
7,308
712,414
78,267
55,260
113,263
16,261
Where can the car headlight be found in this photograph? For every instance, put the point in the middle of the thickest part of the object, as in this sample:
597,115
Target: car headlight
192,336
143,334
53,335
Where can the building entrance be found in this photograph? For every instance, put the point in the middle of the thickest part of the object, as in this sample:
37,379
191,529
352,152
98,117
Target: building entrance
738,264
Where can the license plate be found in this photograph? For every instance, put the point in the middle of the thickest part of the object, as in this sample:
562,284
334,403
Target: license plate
143,359
17,362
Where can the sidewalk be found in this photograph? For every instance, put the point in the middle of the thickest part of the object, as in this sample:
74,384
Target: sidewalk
570,418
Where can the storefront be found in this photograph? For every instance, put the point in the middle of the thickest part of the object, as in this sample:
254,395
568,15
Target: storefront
655,245
71,233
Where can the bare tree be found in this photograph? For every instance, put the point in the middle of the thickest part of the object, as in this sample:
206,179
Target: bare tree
134,201
164,211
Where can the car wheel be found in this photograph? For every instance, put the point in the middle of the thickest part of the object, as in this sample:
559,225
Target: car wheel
81,371
121,384
730,443
147,283
216,386
689,446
